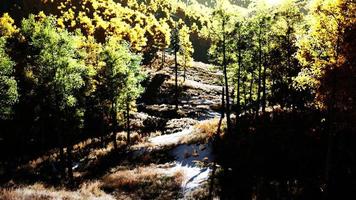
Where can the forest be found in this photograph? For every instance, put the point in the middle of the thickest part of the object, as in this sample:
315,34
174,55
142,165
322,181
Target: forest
177,99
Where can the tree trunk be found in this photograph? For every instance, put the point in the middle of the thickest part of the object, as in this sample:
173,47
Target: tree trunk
176,77
264,90
272,92
259,70
61,154
233,96
163,57
114,124
102,132
228,121
185,70
222,112
331,111
128,121
212,177
238,95
62,161
250,95
238,106
245,97
102,141
70,165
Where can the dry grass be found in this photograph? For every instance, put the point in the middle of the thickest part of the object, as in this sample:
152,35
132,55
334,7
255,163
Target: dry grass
40,192
16,195
129,178
200,193
208,128
172,81
92,189
89,190
96,153
91,143
53,154
204,130
121,138
143,183
134,137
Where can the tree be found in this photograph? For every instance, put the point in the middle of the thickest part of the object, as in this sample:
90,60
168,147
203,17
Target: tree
324,53
221,30
7,27
103,19
284,66
8,85
320,46
175,46
261,23
132,89
186,49
121,77
58,76
242,43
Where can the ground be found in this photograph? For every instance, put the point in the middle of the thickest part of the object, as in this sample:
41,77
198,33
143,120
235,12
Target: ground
170,158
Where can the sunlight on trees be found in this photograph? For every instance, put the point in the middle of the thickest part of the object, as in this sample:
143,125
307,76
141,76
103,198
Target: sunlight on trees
74,70
8,85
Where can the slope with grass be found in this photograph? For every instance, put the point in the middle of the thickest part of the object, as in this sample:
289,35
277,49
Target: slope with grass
169,158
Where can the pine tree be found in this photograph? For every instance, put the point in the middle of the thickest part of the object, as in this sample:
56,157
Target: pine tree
58,76
8,85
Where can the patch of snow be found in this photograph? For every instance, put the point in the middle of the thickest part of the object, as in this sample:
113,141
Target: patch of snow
202,86
170,139
207,102
193,176
209,114
213,114
75,165
187,154
142,115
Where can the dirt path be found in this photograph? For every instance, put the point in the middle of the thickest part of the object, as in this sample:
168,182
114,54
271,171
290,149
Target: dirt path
199,99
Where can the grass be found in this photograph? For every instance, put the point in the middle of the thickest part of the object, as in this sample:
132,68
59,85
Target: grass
201,193
143,183
149,182
203,131
40,192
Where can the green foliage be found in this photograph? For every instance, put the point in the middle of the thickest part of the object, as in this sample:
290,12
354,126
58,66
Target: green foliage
7,27
322,49
260,44
103,19
120,75
8,85
57,69
186,47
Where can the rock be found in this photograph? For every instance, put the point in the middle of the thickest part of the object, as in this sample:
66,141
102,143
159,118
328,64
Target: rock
163,110
153,87
151,124
138,119
176,125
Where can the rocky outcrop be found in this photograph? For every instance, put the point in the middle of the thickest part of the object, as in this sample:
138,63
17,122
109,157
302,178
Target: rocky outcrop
176,125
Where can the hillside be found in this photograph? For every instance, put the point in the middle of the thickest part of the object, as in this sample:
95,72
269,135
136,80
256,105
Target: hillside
181,99
170,158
